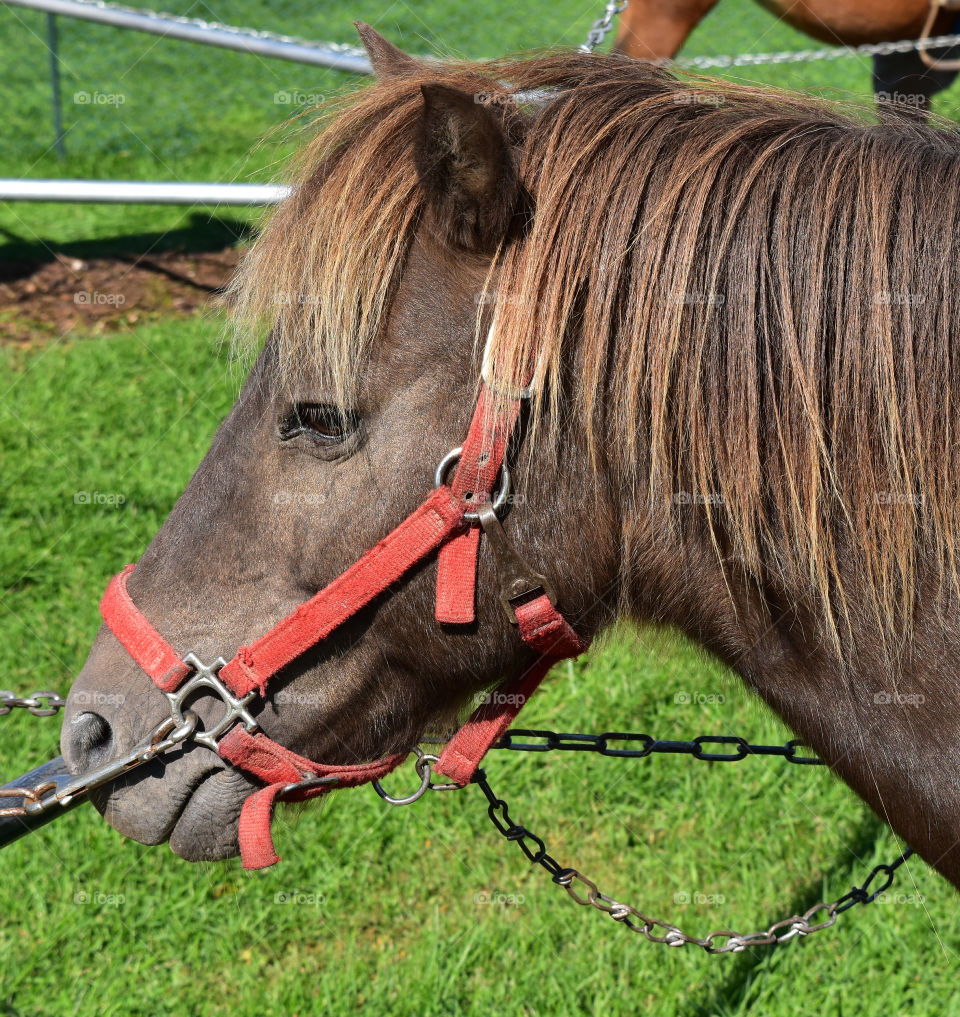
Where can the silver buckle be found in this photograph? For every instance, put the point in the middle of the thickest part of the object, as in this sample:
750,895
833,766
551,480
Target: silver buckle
207,677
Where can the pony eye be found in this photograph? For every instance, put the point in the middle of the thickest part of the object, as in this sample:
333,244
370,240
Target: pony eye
327,424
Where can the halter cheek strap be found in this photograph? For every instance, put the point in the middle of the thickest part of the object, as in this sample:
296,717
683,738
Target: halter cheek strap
451,520
310,623
481,457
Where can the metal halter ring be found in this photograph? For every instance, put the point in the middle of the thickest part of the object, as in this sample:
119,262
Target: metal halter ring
422,765
499,498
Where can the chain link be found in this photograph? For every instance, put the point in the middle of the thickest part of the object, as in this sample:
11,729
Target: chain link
582,889
600,30
585,892
603,26
235,30
529,740
41,704
703,63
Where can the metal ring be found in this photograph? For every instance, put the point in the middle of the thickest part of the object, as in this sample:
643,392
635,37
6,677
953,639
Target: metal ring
424,764
410,799
499,498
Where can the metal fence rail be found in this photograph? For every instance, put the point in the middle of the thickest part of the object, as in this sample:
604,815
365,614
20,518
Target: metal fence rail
208,33
271,44
246,40
131,192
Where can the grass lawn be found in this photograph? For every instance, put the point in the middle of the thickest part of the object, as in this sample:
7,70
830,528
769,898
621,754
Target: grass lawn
424,910
175,111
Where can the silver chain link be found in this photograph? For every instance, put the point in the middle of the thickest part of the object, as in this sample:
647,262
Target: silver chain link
41,704
723,940
806,55
603,26
595,37
247,33
718,941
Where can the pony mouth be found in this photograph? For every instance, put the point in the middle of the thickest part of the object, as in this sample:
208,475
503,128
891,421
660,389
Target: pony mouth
206,826
195,812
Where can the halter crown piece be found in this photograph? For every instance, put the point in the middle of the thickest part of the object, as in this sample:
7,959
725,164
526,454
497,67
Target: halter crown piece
449,521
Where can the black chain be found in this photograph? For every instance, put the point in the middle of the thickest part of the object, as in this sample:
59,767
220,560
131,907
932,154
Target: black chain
860,894
46,703
519,740
723,941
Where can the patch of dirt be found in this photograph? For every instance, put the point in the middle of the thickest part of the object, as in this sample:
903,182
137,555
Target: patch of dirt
41,300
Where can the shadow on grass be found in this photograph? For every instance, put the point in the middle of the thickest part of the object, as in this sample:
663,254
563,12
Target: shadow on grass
204,232
732,993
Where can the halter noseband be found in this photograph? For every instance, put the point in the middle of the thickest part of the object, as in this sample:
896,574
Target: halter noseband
451,520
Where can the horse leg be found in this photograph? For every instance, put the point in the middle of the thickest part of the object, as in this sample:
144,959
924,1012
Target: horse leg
656,29
904,84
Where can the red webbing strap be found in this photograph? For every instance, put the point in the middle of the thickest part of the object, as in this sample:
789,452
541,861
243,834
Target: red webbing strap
257,850
487,724
545,630
140,639
457,578
480,462
420,533
277,767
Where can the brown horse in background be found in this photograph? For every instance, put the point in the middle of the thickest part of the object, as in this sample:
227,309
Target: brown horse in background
656,29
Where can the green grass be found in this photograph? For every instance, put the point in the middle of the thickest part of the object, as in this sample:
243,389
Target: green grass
196,113
393,910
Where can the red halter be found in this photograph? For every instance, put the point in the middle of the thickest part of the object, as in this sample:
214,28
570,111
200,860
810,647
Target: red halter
449,519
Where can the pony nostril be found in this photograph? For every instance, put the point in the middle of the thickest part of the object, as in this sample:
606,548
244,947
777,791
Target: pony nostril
91,740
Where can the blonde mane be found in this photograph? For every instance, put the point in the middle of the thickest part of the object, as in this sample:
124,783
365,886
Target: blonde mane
745,297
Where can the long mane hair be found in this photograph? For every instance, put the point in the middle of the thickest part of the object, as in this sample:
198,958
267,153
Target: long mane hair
746,297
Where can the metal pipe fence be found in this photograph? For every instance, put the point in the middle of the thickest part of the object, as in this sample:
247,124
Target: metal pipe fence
270,44
246,40
131,192
207,33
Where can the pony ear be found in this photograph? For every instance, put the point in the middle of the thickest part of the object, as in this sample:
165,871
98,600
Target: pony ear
386,60
464,161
